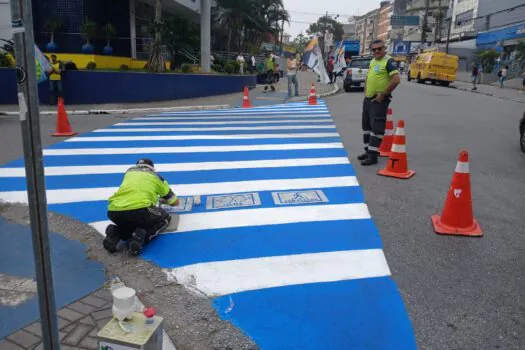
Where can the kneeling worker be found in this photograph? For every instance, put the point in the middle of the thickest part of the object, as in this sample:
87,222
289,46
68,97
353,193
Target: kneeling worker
133,208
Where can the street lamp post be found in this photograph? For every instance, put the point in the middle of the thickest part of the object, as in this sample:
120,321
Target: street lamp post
205,35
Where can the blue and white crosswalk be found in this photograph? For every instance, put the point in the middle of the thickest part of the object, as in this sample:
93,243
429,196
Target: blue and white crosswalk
294,275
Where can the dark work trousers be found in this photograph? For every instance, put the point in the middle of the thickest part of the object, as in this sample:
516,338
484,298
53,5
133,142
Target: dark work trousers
374,123
152,220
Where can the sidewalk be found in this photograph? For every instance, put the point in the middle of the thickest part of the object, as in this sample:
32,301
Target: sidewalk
506,93
257,96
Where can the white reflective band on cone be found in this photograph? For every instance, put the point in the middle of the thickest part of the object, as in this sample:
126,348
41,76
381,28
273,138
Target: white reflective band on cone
389,132
399,148
462,168
400,131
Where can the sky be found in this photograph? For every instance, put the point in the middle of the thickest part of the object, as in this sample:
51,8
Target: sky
304,12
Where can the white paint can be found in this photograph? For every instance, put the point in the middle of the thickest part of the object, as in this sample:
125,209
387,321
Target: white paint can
124,303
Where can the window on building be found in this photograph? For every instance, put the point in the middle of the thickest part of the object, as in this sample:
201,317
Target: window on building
464,18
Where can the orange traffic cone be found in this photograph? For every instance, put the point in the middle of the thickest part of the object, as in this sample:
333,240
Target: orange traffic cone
63,126
397,165
386,145
246,99
312,99
457,217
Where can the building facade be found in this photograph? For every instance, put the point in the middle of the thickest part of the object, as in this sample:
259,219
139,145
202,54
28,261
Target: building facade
366,30
435,14
350,29
385,28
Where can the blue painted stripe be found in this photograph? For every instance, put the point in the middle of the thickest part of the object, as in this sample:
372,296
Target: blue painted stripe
254,113
186,157
186,177
198,126
220,119
355,314
182,143
195,133
181,249
96,211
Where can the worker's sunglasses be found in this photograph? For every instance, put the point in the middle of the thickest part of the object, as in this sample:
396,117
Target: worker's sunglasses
377,49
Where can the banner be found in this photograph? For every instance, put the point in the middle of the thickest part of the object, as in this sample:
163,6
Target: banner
313,58
42,66
339,55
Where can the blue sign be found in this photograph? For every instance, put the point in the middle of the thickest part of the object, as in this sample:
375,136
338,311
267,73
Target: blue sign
494,36
400,21
352,45
401,47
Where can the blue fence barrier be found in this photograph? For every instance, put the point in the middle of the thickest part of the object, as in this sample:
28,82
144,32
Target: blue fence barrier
93,87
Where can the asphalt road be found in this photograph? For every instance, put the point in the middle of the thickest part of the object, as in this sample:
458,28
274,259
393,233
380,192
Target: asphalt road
461,293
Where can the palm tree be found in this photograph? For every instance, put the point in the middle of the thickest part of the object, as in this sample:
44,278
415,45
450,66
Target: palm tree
156,62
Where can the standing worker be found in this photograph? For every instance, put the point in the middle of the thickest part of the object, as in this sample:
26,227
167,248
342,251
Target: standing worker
133,208
383,77
269,66
55,80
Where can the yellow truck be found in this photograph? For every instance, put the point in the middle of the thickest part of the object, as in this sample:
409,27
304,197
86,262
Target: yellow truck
436,67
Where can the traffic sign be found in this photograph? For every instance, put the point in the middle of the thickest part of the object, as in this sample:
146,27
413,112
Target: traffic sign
400,21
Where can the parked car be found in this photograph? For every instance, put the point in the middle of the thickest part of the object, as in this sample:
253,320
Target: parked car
355,74
522,133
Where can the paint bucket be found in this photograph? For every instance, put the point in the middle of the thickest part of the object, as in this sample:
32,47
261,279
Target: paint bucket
123,303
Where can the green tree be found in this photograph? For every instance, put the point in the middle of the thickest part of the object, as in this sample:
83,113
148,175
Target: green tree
323,24
53,24
520,48
156,62
300,42
488,59
178,33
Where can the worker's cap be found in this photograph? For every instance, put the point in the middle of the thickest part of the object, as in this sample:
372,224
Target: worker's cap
145,161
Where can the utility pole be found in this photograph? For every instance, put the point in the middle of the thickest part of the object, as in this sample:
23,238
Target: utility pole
282,35
451,20
22,25
205,36
425,23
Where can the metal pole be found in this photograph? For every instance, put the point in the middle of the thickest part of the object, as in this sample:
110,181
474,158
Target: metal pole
282,35
133,29
450,26
205,35
22,24
425,23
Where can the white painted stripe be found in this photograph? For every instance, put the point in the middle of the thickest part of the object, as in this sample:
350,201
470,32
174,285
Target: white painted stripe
263,217
398,148
261,122
307,109
389,132
400,131
103,193
269,117
200,137
236,128
254,113
176,167
188,149
235,276
463,168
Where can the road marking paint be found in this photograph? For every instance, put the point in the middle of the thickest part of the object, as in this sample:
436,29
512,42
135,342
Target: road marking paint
247,116
190,149
201,137
237,128
259,122
103,193
175,167
235,276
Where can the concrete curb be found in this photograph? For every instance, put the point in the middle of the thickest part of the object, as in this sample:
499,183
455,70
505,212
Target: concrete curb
486,94
126,111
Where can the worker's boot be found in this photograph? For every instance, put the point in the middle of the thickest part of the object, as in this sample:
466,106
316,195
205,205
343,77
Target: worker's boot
363,156
137,242
112,239
370,160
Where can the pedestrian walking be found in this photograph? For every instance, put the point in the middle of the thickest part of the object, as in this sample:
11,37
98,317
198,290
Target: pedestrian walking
330,69
523,82
240,59
269,66
502,74
253,64
55,80
383,77
292,76
474,76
